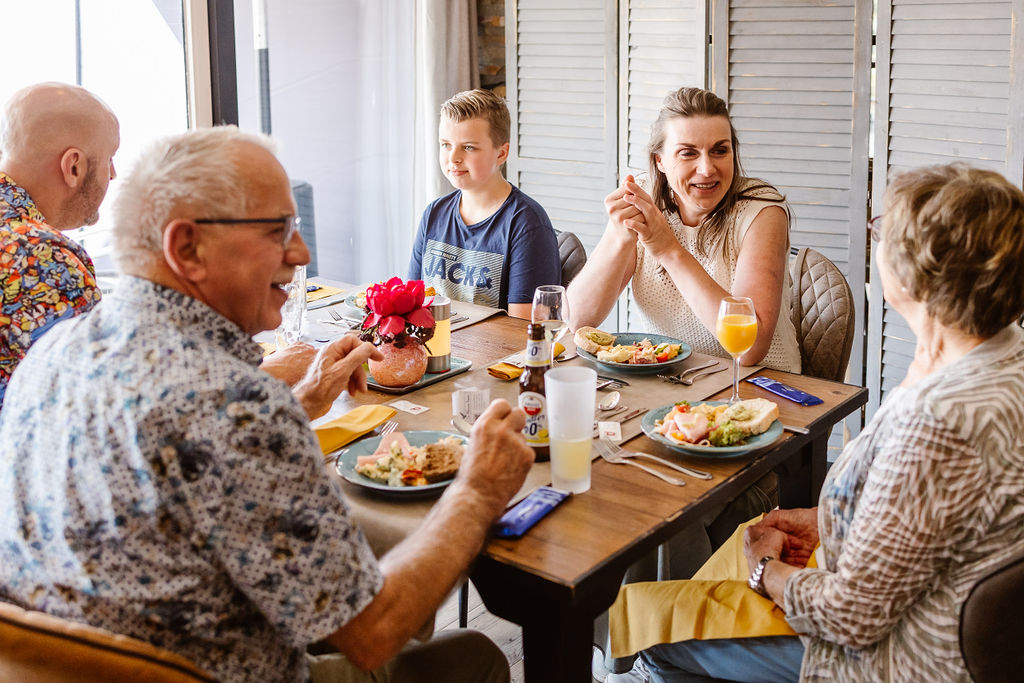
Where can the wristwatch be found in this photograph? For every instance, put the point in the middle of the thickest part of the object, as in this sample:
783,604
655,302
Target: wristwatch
756,580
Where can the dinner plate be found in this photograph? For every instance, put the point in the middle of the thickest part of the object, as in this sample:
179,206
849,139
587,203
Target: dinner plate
625,338
751,444
347,458
352,300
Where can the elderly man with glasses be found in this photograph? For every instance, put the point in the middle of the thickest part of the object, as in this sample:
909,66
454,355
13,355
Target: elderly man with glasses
159,484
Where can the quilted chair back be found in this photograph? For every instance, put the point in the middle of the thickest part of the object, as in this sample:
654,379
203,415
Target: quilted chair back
41,648
571,255
823,314
991,630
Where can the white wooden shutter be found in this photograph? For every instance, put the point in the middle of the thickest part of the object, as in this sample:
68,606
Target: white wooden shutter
662,48
947,90
561,79
796,76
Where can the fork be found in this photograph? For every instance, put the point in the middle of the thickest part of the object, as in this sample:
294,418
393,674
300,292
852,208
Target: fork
340,318
606,453
388,427
688,381
619,451
687,371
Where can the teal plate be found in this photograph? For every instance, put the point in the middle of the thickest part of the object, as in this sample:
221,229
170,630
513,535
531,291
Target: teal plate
347,459
751,444
626,338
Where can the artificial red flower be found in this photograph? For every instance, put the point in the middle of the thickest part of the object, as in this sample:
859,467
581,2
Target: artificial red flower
397,311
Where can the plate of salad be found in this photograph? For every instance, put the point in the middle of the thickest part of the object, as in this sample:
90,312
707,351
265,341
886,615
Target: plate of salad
638,353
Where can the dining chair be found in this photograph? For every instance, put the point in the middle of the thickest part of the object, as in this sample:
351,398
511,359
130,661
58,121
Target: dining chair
571,254
991,630
40,648
823,314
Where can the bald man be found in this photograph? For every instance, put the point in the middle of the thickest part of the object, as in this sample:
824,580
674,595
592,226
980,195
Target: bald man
57,145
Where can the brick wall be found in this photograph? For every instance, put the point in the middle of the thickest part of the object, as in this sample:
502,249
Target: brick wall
491,18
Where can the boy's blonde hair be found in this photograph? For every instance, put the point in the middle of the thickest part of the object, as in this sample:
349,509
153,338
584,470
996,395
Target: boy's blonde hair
480,104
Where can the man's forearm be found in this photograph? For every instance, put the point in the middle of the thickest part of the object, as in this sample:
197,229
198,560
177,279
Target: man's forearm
419,573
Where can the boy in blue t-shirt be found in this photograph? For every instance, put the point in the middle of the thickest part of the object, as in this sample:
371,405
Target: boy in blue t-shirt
486,242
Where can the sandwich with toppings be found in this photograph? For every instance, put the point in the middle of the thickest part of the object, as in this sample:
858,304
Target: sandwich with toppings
724,425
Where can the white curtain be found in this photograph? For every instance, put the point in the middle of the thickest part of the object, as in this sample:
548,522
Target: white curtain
446,63
355,89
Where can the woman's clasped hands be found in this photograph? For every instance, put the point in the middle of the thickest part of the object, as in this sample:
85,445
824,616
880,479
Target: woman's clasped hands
631,208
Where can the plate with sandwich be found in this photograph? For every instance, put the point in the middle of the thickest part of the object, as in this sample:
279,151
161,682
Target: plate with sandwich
632,353
411,464
714,428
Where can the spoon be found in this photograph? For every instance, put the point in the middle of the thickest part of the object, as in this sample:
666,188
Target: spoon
609,401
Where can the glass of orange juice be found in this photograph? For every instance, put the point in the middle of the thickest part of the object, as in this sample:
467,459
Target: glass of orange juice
736,330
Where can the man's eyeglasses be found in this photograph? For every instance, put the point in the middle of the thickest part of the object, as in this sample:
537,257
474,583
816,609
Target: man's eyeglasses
291,224
875,228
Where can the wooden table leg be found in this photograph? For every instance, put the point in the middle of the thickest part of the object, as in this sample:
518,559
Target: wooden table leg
557,646
801,477
557,621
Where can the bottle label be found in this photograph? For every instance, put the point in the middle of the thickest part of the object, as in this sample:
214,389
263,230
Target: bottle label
538,353
536,409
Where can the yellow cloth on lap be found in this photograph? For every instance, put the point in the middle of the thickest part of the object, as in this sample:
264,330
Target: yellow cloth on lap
715,603
352,425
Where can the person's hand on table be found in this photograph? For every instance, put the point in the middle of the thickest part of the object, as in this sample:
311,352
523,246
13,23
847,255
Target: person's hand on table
290,363
498,459
337,367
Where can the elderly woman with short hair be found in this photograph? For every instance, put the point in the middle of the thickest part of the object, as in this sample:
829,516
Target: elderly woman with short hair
930,496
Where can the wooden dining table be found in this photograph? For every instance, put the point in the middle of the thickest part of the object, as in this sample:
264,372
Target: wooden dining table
567,569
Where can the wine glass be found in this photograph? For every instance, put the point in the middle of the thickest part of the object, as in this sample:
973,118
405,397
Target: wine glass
736,330
551,310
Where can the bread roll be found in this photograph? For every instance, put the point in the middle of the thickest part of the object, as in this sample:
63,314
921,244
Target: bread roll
752,417
592,340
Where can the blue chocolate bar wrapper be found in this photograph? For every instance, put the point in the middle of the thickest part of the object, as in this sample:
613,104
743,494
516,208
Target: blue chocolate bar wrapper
785,391
517,520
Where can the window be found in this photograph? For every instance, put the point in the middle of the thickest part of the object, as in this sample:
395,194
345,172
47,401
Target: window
130,53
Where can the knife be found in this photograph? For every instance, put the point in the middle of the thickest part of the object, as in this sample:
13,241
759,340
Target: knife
614,379
631,414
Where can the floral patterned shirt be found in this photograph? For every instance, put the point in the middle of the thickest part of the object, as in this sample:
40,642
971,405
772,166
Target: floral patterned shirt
158,484
44,277
928,499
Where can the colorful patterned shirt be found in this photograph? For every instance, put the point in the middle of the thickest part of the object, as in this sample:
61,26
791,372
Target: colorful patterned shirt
45,277
158,484
926,501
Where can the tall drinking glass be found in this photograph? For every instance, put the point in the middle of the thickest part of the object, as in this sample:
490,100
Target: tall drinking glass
736,330
551,309
294,310
570,393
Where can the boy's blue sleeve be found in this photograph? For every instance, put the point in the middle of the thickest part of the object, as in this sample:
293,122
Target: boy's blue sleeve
416,258
533,254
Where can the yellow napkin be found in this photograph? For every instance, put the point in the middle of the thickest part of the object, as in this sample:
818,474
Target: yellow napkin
505,371
716,603
322,293
268,348
352,425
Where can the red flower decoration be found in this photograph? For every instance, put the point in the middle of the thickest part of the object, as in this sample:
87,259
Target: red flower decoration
398,312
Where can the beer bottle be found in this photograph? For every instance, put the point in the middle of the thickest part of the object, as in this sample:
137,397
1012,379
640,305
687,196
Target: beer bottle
531,391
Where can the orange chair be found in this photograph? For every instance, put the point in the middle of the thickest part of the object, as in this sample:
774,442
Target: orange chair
40,648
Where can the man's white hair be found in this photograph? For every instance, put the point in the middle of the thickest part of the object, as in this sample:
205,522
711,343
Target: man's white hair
190,175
